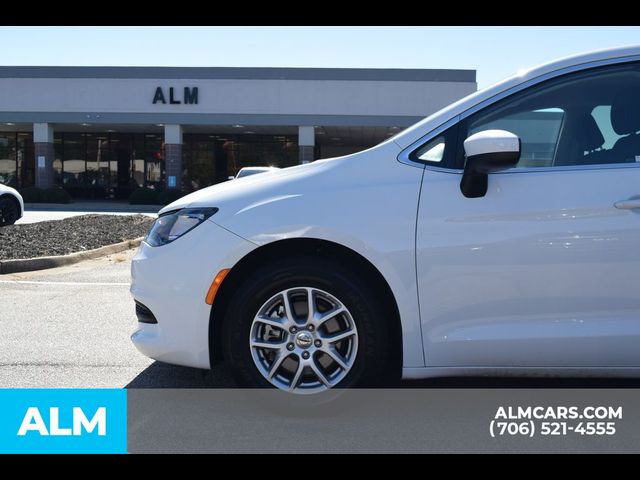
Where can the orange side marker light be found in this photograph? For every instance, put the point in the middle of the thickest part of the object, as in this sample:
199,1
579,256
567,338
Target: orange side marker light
215,286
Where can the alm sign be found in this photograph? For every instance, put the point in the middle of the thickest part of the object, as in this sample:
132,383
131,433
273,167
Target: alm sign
171,97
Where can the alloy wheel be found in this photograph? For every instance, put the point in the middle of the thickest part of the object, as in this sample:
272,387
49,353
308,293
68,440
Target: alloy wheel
303,340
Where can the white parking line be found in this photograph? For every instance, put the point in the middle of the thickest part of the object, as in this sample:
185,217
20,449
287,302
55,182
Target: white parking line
66,284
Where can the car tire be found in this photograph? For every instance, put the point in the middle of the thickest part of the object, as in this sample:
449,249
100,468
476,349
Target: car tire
370,366
9,211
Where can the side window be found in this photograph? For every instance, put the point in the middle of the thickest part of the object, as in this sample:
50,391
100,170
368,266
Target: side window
432,151
585,118
538,131
439,151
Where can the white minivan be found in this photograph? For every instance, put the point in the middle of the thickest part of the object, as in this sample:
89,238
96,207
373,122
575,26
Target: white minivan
500,235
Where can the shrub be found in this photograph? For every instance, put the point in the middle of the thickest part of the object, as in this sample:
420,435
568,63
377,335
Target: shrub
143,196
55,195
31,195
169,195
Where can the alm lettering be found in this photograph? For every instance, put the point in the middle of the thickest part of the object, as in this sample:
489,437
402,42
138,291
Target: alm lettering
33,422
189,96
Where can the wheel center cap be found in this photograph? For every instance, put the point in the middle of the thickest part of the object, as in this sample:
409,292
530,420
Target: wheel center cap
304,340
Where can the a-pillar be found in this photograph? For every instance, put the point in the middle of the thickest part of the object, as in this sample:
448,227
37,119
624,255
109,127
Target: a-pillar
173,155
306,144
44,154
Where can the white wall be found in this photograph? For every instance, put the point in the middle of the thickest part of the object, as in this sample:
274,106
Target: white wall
321,97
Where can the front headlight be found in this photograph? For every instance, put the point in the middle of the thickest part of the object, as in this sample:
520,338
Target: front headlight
172,225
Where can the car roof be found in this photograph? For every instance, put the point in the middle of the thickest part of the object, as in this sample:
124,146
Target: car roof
418,130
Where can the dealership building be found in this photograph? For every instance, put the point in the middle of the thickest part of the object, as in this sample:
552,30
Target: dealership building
101,132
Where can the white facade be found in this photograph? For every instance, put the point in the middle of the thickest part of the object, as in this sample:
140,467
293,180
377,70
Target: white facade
93,96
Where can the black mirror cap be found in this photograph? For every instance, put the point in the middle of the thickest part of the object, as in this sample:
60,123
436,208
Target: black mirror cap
474,185
475,180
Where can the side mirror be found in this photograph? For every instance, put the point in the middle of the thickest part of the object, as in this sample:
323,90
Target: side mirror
487,152
231,177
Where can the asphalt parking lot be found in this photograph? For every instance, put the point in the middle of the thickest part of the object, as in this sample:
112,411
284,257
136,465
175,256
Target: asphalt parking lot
69,328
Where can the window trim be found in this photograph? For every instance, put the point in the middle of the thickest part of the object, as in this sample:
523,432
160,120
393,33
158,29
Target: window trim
565,168
404,155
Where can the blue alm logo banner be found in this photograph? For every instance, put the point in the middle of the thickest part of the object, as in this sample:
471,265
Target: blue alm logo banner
63,421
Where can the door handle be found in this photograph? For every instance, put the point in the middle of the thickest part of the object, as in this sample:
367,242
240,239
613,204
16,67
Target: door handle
630,204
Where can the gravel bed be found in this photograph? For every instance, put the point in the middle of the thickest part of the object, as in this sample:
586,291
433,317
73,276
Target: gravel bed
75,234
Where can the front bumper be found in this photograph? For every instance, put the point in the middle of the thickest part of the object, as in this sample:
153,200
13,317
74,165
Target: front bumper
172,282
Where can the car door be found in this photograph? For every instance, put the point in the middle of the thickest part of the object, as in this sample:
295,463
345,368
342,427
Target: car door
542,271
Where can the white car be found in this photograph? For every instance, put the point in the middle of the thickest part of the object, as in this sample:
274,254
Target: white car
500,235
247,171
11,206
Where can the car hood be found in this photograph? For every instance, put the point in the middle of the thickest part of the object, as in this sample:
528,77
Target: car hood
237,194
315,182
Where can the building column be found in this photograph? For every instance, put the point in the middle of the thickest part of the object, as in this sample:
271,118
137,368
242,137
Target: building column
173,155
306,144
44,154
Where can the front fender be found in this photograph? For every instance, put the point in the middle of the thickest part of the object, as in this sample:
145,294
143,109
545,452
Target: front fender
374,217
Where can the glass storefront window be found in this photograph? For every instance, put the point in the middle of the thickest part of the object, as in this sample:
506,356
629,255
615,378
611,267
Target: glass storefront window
230,159
8,159
16,159
98,179
121,145
198,158
74,173
138,160
57,162
265,150
148,160
111,164
209,159
26,160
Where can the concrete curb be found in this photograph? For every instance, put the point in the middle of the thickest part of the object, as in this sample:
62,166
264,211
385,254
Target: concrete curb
86,207
43,263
